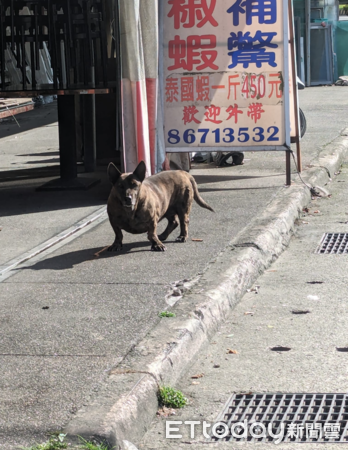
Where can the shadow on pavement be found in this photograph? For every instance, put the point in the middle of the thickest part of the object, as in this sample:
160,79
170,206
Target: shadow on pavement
235,189
19,195
72,259
28,174
44,161
40,154
204,179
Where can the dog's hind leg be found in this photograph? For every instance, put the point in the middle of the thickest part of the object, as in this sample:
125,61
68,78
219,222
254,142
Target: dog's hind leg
173,222
183,214
157,245
184,221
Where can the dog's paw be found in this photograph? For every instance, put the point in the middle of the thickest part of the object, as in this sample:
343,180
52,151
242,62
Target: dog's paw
181,239
158,248
162,237
115,247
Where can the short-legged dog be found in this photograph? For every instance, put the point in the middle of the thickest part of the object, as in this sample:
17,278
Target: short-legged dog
136,204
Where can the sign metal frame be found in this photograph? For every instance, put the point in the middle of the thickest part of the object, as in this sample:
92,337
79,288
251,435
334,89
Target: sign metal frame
287,57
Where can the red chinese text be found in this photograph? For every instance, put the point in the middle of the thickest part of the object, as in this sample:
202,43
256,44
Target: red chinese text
190,13
212,114
233,112
196,51
203,89
233,84
187,94
189,114
172,90
275,83
255,111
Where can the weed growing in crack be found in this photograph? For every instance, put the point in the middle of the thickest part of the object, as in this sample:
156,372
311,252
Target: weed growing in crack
166,314
56,442
86,445
171,398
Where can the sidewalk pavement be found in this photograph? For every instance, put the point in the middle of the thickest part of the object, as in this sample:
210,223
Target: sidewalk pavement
269,316
68,317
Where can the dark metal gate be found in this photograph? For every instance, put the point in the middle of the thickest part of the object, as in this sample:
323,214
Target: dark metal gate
65,48
80,37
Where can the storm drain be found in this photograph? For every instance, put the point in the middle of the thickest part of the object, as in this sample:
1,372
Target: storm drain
333,243
283,418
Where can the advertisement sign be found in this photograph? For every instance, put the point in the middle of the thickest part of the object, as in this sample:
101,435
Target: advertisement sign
225,75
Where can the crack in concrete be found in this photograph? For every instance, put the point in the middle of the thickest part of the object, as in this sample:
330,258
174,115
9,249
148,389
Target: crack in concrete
248,245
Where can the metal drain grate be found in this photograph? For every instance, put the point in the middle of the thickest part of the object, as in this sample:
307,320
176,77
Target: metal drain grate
333,243
284,418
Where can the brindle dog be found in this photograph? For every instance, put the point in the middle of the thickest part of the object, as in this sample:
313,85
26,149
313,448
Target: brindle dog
136,204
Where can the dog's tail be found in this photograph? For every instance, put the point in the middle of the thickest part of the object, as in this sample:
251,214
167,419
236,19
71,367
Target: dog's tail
197,197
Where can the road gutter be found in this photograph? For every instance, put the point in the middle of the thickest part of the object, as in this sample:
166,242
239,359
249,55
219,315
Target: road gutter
39,252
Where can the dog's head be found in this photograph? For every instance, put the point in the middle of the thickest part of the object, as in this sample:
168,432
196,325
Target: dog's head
127,185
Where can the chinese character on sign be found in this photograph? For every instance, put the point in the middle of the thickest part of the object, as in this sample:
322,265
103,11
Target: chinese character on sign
255,111
187,11
203,89
275,83
265,10
313,430
197,51
212,113
233,112
187,89
234,84
189,114
332,430
295,430
249,51
172,90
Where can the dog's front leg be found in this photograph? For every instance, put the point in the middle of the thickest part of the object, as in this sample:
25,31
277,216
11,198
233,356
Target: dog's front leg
157,245
117,245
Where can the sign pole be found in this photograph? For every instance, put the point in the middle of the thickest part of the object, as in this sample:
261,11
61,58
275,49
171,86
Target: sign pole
294,87
288,167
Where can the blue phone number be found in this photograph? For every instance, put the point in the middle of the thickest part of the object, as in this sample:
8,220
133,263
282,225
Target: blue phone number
226,135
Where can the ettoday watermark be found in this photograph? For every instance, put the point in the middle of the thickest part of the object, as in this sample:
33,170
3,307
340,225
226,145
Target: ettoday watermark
308,431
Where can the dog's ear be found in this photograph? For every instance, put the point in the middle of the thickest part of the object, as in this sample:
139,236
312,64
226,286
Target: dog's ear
140,171
114,173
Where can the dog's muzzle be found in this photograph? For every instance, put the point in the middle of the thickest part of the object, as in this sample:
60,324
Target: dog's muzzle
129,202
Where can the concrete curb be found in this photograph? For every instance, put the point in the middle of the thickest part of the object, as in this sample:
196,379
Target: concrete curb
10,110
127,402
